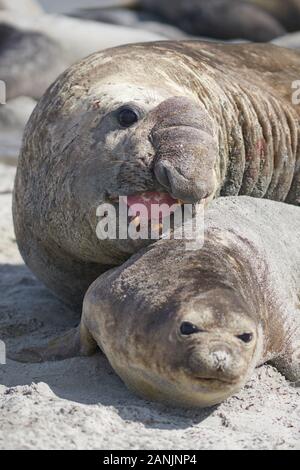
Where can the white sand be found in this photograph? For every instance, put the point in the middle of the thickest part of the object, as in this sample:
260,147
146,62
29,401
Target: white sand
80,403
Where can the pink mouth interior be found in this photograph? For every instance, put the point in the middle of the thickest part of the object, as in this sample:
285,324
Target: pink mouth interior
153,198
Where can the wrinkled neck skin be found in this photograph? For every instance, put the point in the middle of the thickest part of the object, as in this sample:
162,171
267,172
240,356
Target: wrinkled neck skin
257,137
250,117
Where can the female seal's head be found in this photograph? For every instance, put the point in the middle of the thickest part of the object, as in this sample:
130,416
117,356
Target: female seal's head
197,352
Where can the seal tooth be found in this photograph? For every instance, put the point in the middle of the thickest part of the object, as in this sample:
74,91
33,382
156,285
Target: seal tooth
158,228
136,220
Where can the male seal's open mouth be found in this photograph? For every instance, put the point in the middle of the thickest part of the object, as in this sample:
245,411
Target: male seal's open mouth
154,208
150,206
151,201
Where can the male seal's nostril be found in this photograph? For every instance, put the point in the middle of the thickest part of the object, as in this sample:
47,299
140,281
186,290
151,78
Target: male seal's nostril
178,185
162,175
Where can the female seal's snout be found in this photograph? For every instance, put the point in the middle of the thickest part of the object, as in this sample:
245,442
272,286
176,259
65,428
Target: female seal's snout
219,352
216,361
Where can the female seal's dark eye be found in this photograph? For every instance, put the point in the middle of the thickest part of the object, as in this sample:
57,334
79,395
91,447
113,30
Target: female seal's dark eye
187,328
127,117
246,337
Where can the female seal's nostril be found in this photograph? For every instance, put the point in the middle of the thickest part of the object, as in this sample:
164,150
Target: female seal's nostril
221,359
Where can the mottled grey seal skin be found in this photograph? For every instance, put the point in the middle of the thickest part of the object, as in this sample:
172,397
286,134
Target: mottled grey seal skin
29,61
213,120
188,327
222,19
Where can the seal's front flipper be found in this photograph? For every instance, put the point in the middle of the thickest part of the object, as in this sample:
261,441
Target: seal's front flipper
289,366
76,342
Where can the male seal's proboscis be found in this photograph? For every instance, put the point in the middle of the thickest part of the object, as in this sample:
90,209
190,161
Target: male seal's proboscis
189,327
191,119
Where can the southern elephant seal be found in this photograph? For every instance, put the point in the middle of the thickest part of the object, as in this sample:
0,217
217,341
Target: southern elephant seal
222,19
188,327
287,12
29,61
78,38
131,18
212,120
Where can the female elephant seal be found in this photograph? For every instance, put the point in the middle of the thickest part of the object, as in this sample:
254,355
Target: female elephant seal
188,327
212,120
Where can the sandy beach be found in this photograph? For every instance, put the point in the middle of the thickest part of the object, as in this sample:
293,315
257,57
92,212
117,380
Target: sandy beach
80,403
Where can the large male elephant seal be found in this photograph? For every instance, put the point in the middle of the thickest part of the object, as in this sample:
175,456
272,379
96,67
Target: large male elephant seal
190,119
190,329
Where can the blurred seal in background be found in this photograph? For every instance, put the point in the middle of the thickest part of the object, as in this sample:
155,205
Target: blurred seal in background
23,7
223,19
131,18
77,38
29,61
287,12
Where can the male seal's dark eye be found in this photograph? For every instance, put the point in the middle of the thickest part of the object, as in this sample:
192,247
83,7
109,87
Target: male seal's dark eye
246,337
127,117
187,328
